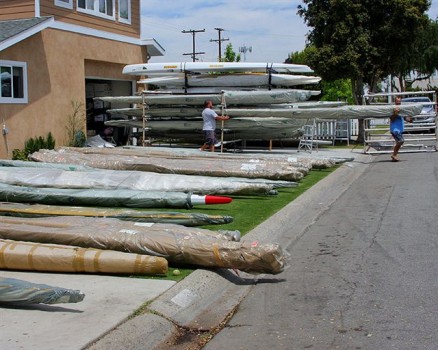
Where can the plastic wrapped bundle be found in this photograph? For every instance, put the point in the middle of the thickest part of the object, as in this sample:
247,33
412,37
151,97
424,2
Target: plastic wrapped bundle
105,198
186,166
178,244
29,256
41,210
22,292
124,179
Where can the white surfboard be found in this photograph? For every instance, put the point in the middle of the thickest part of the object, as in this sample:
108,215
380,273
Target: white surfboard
233,80
203,67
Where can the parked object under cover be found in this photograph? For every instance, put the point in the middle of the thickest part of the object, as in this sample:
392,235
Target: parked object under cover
105,198
17,291
178,244
207,167
124,179
41,210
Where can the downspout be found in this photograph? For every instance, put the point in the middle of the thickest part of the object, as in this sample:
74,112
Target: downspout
37,8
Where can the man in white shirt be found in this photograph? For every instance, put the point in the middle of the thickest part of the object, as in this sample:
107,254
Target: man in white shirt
209,117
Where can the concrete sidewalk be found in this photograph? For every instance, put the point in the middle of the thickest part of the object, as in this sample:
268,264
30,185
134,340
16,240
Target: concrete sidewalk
200,302
108,302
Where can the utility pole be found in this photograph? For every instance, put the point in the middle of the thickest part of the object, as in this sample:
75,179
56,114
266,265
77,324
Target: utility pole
244,49
219,41
194,53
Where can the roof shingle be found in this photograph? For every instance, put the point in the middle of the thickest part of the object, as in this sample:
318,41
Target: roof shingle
9,29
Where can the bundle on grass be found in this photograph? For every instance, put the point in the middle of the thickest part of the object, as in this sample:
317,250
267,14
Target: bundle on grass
132,180
103,197
178,244
168,165
41,210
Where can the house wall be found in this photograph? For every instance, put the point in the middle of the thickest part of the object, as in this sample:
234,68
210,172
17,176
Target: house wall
20,9
57,64
48,8
13,9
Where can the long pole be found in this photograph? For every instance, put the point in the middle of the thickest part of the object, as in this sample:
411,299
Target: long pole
219,41
144,120
223,109
194,53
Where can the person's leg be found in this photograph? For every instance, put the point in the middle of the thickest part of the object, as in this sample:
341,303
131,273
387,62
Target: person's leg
395,151
207,137
399,140
213,141
209,141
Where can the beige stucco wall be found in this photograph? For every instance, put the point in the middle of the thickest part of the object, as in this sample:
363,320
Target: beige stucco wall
57,64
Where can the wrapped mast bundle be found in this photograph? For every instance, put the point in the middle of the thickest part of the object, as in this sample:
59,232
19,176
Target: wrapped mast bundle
31,256
167,165
178,244
164,217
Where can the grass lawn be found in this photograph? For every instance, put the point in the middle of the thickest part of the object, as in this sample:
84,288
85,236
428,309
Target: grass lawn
249,211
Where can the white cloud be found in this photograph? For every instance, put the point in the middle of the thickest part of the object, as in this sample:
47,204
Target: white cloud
271,28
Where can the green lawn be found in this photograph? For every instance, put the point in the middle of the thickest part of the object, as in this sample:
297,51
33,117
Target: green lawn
249,211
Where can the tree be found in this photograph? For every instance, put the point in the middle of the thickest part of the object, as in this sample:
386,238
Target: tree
338,90
425,57
230,55
363,41
297,57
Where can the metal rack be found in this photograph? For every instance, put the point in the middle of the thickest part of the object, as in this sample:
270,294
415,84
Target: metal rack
418,137
377,138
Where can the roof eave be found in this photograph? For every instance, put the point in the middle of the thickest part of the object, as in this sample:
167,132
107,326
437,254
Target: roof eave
26,33
153,47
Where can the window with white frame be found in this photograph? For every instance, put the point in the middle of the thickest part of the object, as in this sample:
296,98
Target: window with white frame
13,79
125,11
102,8
64,3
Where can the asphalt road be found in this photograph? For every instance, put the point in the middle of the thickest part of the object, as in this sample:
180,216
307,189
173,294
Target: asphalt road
362,275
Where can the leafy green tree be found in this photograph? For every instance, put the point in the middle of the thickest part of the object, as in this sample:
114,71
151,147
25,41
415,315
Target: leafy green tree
425,57
297,57
230,55
363,41
338,90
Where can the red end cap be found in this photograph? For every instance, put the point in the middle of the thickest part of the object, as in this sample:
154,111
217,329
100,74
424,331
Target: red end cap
217,200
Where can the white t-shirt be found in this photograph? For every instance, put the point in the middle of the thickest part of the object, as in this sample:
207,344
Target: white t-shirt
209,117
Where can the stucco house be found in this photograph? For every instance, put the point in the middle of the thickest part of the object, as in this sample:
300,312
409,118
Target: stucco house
56,55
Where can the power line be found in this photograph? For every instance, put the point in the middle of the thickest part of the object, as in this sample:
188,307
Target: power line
219,41
194,53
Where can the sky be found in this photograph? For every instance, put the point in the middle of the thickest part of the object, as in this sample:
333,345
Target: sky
268,30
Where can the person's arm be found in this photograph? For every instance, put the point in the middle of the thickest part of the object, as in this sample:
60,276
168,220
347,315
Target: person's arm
394,113
220,117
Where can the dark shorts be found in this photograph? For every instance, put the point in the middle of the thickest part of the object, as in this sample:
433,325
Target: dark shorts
398,136
210,137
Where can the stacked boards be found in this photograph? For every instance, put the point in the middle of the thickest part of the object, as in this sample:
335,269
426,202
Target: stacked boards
174,110
216,76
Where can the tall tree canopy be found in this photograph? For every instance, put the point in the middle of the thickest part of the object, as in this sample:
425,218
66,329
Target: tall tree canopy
363,40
